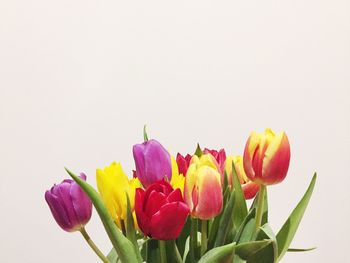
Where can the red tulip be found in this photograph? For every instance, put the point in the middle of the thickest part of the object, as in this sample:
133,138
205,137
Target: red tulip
183,162
160,211
266,157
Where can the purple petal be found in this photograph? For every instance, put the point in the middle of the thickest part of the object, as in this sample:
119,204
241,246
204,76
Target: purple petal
58,211
81,202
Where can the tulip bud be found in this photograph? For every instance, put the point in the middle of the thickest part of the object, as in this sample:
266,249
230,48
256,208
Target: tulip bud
266,157
249,188
203,191
69,205
160,211
183,162
113,185
152,162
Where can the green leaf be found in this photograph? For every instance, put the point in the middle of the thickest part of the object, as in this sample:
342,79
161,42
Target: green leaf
300,249
246,229
269,253
130,228
122,245
214,227
288,230
113,256
225,253
198,151
247,249
240,210
225,186
225,222
181,240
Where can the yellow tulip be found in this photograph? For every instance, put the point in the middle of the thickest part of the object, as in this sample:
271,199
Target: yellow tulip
113,185
177,180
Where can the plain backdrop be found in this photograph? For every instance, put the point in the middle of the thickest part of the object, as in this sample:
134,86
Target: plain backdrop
79,79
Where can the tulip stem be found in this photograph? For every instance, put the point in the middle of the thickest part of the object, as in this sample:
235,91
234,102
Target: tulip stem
204,236
194,238
93,246
162,251
260,209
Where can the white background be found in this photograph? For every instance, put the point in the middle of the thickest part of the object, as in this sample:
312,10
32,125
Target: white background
79,79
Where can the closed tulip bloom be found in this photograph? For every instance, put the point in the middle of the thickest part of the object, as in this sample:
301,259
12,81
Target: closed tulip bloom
113,185
266,157
203,190
161,211
152,162
183,162
249,188
69,205
220,157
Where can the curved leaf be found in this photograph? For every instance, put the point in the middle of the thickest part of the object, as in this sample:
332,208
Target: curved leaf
287,232
122,245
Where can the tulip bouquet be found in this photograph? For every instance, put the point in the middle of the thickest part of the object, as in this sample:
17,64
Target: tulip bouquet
191,208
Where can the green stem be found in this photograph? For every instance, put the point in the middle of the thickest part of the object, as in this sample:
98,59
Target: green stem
93,246
260,210
193,237
204,236
162,251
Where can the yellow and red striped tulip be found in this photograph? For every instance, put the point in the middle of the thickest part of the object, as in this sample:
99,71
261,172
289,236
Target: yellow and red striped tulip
266,157
203,190
249,188
113,185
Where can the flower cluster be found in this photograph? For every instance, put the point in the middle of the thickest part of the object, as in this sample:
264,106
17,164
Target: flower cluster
170,201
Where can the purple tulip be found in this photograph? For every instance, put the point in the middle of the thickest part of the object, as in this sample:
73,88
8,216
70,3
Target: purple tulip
152,162
69,205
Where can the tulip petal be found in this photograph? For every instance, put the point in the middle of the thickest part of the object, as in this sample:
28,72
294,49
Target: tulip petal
168,222
81,202
142,218
154,203
190,182
276,161
175,196
58,211
250,190
63,193
249,151
209,194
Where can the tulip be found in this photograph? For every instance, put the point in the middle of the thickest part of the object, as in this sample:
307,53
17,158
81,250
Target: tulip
249,188
266,157
152,162
160,211
113,185
203,192
177,180
183,162
69,205
220,157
